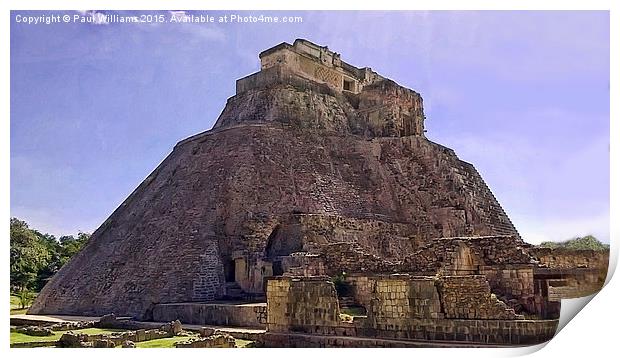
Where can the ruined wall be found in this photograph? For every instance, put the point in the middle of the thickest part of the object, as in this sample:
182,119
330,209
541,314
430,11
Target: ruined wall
375,236
467,255
400,307
469,297
303,264
296,304
386,109
383,109
396,299
239,315
513,284
566,258
318,64
572,273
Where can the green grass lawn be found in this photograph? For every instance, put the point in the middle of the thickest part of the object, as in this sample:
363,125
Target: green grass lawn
162,342
156,343
19,311
21,338
16,306
14,302
241,343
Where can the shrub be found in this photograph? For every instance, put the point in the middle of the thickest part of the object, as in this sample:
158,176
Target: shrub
343,288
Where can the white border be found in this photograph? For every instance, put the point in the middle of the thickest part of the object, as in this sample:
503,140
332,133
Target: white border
591,331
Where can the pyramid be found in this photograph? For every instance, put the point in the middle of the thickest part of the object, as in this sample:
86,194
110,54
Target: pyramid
310,152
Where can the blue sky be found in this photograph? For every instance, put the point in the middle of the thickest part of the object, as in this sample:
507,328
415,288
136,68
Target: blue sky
522,95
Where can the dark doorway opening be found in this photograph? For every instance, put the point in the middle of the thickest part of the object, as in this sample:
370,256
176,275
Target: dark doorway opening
229,270
277,268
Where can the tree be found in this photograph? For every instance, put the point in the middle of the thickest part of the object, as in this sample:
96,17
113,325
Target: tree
587,242
36,257
28,255
70,246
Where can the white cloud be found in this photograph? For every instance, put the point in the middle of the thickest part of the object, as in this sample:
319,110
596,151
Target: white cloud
200,31
180,16
98,18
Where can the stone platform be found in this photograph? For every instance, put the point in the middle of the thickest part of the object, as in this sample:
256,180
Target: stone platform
224,313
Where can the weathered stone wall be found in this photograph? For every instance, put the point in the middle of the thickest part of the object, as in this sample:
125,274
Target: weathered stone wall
469,297
429,333
396,299
223,314
386,109
466,255
373,235
401,308
383,109
513,284
214,341
566,258
574,286
296,304
571,273
303,264
318,64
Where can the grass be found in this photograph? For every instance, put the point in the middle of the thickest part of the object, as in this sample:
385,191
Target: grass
156,343
15,302
162,342
353,311
16,307
22,338
242,343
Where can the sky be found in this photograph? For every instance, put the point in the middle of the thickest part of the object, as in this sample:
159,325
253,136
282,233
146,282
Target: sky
522,95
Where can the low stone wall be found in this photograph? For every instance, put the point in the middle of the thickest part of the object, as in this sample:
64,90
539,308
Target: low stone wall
292,340
218,314
214,341
78,340
427,333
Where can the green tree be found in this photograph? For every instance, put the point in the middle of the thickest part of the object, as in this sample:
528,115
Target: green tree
587,242
28,255
69,245
36,257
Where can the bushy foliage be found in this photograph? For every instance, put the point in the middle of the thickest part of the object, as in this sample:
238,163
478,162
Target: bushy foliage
343,288
35,257
588,242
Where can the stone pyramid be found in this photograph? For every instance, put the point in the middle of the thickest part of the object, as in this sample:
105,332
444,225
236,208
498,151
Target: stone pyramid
311,151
